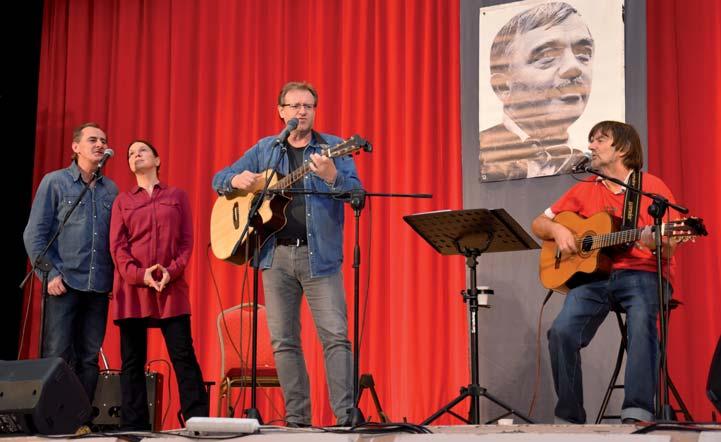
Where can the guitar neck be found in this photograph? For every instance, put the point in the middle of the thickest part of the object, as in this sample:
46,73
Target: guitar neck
287,181
609,239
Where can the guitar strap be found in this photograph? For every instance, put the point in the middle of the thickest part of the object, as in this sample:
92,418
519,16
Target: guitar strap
631,201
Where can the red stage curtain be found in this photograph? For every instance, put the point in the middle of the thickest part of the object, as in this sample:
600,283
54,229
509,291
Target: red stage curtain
684,118
200,79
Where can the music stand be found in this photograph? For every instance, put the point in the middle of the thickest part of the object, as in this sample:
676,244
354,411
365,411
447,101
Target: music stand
471,233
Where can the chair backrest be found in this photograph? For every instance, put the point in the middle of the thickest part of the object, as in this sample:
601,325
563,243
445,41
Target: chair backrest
235,334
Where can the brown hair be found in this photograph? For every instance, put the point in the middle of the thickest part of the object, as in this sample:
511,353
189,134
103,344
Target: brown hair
625,140
297,85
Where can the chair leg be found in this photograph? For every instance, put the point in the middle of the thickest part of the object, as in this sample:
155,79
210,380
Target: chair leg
223,391
682,406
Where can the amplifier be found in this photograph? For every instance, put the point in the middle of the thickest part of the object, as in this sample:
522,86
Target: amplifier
108,404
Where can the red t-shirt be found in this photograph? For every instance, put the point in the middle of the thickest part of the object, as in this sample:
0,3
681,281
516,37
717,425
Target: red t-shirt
145,230
590,197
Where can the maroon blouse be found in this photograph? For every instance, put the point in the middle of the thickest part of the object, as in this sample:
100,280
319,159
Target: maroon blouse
145,230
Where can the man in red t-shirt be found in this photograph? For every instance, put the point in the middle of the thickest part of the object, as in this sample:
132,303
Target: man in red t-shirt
632,285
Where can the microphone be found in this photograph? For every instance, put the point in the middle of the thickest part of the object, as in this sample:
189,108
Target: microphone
106,154
580,165
292,124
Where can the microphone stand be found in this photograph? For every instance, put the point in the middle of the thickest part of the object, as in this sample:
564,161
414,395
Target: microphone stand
657,210
44,265
356,198
252,412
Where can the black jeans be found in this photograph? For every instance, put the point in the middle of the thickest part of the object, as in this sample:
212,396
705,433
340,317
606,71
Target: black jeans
133,350
74,330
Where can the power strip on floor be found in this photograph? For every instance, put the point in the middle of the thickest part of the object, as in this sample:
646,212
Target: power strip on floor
222,425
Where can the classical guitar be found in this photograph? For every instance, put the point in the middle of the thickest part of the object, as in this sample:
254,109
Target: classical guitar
561,272
230,212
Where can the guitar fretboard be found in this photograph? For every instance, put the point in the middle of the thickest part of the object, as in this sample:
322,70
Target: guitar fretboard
350,145
609,239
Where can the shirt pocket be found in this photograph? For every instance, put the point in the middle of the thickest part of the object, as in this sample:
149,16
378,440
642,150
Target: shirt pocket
79,213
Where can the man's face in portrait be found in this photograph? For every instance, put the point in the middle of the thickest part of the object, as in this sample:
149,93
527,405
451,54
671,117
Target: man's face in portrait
549,77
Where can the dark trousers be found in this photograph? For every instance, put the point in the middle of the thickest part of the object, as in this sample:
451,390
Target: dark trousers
133,350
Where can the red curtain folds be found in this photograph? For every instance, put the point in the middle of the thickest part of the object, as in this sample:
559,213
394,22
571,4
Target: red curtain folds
684,120
200,79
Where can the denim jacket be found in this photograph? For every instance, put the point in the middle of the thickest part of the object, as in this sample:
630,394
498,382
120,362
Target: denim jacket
81,254
325,215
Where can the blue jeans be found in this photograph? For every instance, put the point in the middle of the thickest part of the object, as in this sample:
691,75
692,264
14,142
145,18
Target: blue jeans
74,330
284,284
584,310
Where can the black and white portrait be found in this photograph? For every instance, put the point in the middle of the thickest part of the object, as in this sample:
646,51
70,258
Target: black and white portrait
548,70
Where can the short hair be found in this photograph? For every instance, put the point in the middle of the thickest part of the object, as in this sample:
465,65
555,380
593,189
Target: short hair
625,140
147,143
78,134
297,85
547,14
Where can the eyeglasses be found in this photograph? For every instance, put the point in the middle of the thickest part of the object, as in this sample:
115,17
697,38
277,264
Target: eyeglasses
297,106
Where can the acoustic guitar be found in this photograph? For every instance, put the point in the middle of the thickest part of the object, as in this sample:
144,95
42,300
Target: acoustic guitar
594,237
229,217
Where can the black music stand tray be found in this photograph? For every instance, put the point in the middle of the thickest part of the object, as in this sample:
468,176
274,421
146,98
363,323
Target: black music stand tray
471,233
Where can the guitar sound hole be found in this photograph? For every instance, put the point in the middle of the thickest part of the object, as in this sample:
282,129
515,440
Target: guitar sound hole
236,216
586,244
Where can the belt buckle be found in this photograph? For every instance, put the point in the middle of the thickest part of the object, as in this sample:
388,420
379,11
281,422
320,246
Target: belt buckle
297,242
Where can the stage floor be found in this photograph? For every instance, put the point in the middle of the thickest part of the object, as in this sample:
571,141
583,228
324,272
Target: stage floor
502,433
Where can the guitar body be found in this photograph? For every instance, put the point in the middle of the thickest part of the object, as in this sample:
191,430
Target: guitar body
230,212
230,216
570,270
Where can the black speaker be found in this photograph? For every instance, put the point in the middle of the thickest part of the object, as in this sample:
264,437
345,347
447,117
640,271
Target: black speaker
713,386
41,396
108,400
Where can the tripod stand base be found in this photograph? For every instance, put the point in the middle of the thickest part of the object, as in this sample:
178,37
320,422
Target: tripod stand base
475,392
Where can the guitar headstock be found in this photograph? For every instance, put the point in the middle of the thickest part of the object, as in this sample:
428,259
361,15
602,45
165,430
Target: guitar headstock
685,229
347,147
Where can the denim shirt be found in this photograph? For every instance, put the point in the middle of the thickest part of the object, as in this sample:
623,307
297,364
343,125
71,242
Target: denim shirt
324,218
81,253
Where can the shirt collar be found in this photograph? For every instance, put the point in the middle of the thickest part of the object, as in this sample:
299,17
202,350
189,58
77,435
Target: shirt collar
136,188
619,191
515,128
74,171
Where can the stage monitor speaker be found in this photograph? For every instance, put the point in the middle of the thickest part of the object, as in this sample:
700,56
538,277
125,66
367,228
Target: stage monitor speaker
713,386
41,396
108,400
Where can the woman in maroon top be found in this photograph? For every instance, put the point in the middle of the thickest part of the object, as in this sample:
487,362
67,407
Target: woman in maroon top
151,239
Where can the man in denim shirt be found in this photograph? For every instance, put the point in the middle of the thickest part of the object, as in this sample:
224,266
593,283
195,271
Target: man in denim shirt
82,271
305,256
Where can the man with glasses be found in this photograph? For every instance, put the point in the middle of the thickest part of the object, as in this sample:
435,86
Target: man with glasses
305,256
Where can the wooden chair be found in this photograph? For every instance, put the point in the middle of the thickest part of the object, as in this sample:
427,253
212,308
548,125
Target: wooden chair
234,334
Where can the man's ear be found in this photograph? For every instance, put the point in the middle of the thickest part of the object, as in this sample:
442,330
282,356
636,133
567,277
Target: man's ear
500,85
